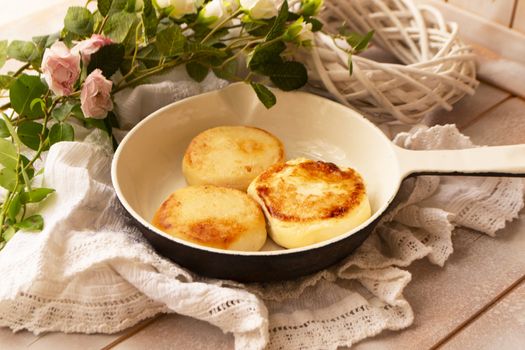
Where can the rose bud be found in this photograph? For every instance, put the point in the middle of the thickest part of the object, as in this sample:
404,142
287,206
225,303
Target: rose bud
61,69
95,97
89,46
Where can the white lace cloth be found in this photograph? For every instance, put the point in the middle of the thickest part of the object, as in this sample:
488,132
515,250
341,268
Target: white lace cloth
90,270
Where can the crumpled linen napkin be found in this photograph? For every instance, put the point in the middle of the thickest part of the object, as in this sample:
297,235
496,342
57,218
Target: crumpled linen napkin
90,270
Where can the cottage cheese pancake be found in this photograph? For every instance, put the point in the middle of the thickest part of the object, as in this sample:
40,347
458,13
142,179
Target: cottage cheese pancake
307,201
213,216
230,156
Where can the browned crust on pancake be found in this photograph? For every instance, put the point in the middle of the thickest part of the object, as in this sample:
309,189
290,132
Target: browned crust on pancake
210,231
283,201
196,147
281,146
214,232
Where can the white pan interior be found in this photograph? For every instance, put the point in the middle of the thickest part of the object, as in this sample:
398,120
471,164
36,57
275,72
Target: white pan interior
147,165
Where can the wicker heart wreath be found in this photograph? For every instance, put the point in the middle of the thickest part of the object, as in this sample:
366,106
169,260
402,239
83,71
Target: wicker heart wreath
437,68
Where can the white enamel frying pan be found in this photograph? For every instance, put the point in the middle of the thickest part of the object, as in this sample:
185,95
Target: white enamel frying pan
147,168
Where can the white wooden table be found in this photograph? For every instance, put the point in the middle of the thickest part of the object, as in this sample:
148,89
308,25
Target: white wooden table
477,301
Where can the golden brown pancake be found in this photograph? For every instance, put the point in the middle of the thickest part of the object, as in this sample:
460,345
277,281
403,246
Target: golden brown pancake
213,216
230,156
307,201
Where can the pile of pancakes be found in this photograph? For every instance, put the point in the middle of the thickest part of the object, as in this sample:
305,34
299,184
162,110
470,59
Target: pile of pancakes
241,187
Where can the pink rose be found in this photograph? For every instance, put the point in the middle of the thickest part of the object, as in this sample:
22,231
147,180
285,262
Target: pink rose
89,46
61,69
95,97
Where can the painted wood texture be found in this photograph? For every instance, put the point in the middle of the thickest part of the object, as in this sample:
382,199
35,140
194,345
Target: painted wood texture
483,334
178,332
518,22
499,11
502,125
469,108
56,341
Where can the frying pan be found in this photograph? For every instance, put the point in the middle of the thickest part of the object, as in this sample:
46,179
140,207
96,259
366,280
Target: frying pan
147,167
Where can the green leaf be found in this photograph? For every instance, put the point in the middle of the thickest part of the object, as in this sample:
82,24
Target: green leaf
117,6
149,55
266,53
104,6
61,112
149,19
96,123
202,31
310,7
30,171
32,223
5,81
258,29
3,52
350,64
199,50
14,207
316,24
79,20
44,41
288,75
197,71
132,5
37,101
8,154
8,233
119,25
23,91
279,26
292,16
170,41
112,120
366,40
76,112
35,195
108,59
8,179
61,132
4,131
359,42
264,94
29,133
41,43
24,51
227,71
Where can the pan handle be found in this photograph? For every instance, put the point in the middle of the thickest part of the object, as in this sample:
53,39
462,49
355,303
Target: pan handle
484,161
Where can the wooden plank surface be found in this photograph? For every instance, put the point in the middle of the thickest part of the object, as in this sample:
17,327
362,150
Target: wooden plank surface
443,299
518,22
501,327
502,125
178,332
499,11
58,341
469,108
